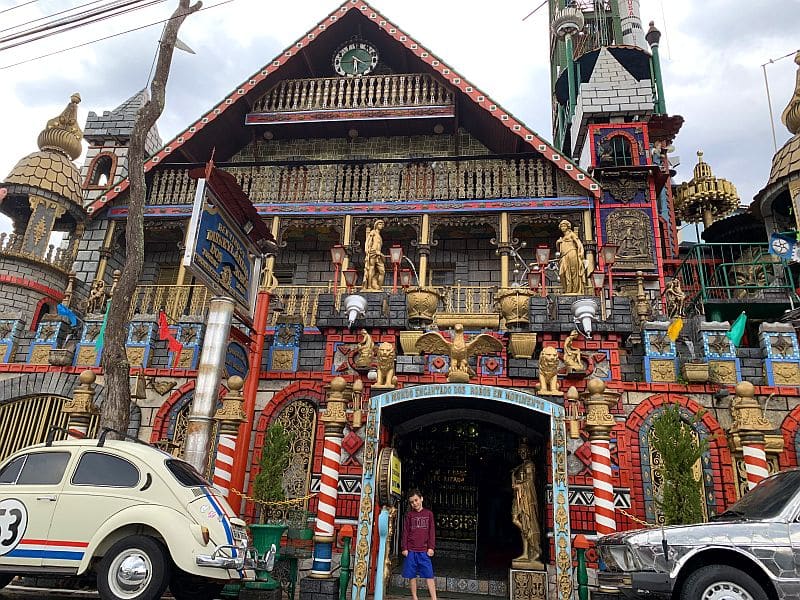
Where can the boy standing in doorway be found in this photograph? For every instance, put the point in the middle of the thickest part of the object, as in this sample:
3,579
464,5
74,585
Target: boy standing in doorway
418,543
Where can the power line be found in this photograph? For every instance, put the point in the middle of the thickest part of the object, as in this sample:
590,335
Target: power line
22,62
120,7
61,12
5,10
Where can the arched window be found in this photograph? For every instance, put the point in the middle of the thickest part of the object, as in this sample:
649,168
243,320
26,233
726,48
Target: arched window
102,168
621,151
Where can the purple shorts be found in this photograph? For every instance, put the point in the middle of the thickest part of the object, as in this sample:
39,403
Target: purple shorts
417,564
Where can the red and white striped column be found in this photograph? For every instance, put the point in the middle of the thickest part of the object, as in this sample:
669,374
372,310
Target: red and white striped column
755,458
602,482
599,423
335,419
81,407
751,425
230,415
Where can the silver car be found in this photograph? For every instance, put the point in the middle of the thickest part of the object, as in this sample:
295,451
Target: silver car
749,552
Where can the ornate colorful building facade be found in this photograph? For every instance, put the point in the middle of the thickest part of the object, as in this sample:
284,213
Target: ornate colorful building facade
521,290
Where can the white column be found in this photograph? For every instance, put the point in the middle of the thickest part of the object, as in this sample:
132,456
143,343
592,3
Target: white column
204,404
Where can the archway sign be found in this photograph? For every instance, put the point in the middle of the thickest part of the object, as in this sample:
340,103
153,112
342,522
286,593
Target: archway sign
558,438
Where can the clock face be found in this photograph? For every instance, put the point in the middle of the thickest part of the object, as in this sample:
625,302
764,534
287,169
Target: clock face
355,58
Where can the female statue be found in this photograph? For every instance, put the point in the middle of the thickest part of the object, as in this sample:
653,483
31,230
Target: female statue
570,265
525,511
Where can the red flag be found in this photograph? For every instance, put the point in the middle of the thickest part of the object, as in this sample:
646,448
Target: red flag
165,333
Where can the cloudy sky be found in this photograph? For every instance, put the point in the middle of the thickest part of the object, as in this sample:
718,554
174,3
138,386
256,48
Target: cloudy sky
712,54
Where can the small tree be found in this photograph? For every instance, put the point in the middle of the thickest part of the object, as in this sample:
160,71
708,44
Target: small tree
681,496
268,484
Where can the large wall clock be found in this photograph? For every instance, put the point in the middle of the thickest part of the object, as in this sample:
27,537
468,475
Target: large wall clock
355,58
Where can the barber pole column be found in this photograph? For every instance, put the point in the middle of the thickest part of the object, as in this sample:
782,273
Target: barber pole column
81,407
335,419
599,423
750,424
229,416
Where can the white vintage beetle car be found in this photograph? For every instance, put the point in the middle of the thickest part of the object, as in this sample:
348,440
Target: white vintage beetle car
142,519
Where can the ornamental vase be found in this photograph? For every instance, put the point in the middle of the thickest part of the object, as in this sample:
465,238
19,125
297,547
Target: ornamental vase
515,306
422,304
408,342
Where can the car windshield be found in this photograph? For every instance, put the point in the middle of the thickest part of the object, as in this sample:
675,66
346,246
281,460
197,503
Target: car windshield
766,500
186,474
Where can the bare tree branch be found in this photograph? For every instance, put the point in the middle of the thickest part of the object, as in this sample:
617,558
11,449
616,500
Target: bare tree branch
115,411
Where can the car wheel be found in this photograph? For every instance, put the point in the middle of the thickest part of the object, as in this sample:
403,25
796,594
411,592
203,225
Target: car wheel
185,586
135,568
721,582
5,579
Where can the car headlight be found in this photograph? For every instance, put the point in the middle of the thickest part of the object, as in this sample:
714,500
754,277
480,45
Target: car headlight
624,558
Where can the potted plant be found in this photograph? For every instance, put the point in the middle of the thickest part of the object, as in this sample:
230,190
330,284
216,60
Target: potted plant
267,488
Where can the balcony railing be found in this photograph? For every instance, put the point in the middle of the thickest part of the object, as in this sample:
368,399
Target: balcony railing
342,93
465,179
59,258
175,300
734,273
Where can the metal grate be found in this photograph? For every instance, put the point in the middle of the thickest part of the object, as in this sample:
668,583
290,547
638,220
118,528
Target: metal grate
26,422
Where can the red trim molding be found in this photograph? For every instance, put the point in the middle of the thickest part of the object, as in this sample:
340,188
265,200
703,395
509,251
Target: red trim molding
33,285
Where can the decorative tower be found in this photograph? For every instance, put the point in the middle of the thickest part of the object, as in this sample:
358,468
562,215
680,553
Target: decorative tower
43,195
705,198
109,136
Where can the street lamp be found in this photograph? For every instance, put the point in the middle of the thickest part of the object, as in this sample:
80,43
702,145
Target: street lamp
406,278
338,254
609,255
543,259
598,280
396,256
350,278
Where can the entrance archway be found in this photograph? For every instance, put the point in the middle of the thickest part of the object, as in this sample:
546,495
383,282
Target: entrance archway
497,401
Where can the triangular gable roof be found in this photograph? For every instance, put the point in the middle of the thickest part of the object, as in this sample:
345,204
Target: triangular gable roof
480,99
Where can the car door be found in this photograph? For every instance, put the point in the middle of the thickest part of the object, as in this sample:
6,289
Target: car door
101,485
29,488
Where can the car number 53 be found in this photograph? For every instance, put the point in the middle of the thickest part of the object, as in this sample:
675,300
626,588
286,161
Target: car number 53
13,522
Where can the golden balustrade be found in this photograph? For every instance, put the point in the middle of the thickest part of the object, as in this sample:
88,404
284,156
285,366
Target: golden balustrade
175,300
441,179
58,258
338,93
467,299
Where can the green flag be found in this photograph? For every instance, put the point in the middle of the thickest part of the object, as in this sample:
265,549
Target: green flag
101,337
737,329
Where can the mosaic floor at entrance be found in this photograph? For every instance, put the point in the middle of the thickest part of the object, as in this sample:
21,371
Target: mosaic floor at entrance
457,577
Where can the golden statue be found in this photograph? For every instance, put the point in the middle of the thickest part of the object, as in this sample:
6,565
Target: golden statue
98,296
548,372
525,511
674,297
366,351
387,380
374,263
572,355
571,270
458,350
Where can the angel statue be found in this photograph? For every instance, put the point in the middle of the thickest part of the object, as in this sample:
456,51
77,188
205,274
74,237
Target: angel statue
459,350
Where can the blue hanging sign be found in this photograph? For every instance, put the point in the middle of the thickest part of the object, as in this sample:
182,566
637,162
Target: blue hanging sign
236,361
220,253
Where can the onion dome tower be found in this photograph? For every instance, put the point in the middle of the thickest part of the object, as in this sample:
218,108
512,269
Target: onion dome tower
43,194
780,198
705,198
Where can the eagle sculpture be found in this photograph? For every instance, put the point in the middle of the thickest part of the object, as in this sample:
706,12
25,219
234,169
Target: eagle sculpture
459,351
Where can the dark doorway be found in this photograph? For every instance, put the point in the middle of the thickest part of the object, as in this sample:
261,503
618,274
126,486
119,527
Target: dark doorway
463,468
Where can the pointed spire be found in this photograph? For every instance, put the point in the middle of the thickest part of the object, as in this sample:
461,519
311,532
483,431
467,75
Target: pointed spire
62,133
791,115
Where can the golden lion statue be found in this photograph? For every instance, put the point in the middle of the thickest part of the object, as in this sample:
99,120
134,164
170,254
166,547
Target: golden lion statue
548,372
386,377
